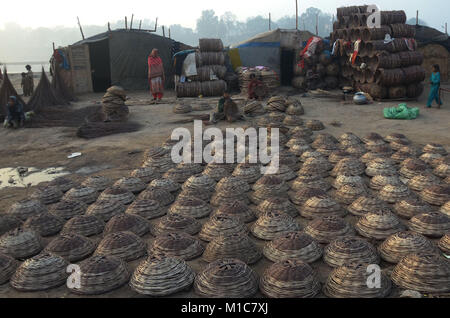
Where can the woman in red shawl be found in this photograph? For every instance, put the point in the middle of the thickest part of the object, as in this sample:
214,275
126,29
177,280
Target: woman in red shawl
156,75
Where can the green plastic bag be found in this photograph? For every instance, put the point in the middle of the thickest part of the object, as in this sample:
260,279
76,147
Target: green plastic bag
401,112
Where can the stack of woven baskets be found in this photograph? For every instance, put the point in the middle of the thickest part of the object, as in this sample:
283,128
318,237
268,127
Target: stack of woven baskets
384,69
266,75
113,104
211,71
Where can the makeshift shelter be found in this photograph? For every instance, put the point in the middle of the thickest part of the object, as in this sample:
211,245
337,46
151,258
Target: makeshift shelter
276,49
435,47
118,57
62,91
6,90
44,96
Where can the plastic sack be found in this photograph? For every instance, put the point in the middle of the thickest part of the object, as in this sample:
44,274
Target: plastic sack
401,112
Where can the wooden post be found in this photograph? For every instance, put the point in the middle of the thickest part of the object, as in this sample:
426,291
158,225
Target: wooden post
417,17
164,32
446,28
109,27
131,23
126,24
317,24
169,34
140,24
81,29
156,25
270,22
53,43
296,14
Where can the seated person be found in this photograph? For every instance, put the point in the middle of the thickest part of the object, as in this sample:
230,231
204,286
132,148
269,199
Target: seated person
15,117
226,109
219,114
254,83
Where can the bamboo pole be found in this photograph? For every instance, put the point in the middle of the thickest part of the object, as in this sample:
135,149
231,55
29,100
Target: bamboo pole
317,24
417,17
81,29
126,24
131,23
169,34
296,14
270,22
164,32
140,24
109,27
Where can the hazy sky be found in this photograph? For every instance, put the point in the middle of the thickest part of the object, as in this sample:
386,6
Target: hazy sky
50,13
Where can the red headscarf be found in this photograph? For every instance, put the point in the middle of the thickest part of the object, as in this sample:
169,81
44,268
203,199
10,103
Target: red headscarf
155,65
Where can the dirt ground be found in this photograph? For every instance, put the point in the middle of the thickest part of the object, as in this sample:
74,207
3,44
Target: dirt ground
115,156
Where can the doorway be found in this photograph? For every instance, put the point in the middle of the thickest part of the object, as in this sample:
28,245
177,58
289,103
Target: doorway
287,66
100,65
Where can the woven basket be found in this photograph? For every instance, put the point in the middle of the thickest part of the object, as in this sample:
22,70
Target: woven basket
85,194
350,281
401,244
64,184
396,145
165,184
310,155
100,275
321,206
432,224
293,120
237,246
444,244
68,209
310,181
161,276
215,172
300,132
424,272
326,229
293,245
182,109
277,204
395,137
379,225
273,224
377,183
191,207
117,194
26,208
132,184
365,204
277,103
99,183
381,167
394,193
21,243
173,223
442,170
106,209
315,125
350,249
343,180
350,137
164,198
148,209
348,167
180,245
410,207
45,224
290,279
429,158
237,210
72,247
42,272
299,197
411,168
226,278
337,156
445,209
348,193
423,181
47,195
86,225
221,226
435,148
323,139
357,151
146,175
124,245
254,108
436,195
8,266
127,223
8,223
248,172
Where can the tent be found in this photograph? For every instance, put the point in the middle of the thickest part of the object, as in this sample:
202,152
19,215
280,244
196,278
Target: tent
118,57
276,49
6,90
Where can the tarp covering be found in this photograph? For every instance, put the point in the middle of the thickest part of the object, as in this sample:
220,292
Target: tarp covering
401,112
129,50
426,35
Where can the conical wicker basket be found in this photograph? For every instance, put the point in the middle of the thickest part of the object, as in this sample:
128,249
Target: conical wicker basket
310,181
216,172
337,156
237,210
326,229
173,223
424,272
393,194
67,209
164,198
8,223
350,249
293,120
445,209
343,180
47,195
182,109
277,104
350,281
86,225
105,209
423,181
436,195
379,225
161,276
21,243
290,279
273,224
401,244
412,167
8,266
429,158
304,194
132,184
348,193
377,183
42,272
100,183
433,224
348,167
72,247
100,275
148,209
221,226
25,208
146,175
226,278
248,172
85,194
395,137
293,245
45,224
315,125
321,206
117,194
179,245
357,150
411,206
442,170
277,204
366,204
124,245
444,244
127,222
237,246
64,184
191,207
435,148
381,167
